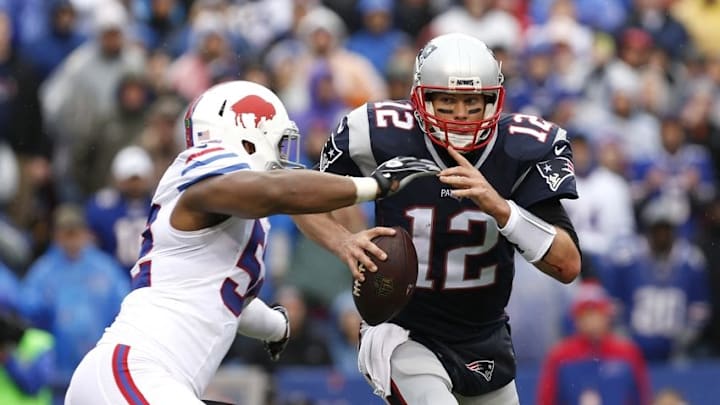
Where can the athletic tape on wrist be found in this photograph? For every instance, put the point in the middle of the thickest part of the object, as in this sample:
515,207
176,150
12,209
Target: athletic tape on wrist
531,235
366,189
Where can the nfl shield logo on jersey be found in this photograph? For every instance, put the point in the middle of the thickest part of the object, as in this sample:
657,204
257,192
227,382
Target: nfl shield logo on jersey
555,171
483,367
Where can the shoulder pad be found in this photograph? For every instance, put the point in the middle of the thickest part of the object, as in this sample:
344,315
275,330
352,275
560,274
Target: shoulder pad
341,148
371,134
531,138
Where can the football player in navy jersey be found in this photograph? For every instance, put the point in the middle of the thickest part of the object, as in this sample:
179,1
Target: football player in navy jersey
500,189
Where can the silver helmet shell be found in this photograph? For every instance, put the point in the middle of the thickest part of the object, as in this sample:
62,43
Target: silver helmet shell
457,63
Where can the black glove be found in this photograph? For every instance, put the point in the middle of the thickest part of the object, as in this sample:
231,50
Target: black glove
275,348
396,173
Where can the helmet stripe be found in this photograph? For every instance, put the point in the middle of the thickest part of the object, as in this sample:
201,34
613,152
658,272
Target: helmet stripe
189,142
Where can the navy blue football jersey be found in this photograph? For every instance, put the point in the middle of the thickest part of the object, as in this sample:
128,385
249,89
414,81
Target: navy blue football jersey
465,266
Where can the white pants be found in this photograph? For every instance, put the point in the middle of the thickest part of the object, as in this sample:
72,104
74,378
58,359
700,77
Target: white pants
418,378
118,375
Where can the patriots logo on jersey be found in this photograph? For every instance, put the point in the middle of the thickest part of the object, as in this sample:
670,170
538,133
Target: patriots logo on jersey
483,367
555,171
330,153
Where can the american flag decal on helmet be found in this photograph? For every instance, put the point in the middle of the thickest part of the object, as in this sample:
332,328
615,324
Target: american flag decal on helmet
203,135
483,367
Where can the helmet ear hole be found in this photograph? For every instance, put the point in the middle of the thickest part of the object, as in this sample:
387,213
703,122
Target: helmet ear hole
249,147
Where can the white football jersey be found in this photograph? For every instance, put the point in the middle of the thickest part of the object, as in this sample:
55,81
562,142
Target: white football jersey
190,287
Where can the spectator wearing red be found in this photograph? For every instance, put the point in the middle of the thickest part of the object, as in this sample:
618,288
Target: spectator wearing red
594,365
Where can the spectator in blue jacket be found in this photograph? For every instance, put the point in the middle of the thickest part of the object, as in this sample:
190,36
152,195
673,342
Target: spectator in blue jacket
661,283
117,214
378,39
61,38
73,291
26,355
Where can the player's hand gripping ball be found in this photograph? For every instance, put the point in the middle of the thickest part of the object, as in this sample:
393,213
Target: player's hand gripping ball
385,293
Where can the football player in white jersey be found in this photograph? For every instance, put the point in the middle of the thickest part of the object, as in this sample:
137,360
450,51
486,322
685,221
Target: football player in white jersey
201,262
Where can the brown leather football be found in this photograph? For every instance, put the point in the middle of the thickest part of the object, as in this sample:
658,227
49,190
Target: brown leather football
385,292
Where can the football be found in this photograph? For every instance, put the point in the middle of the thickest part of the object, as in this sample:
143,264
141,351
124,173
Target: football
385,292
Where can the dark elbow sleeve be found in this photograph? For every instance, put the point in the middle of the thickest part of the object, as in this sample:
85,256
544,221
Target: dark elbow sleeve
554,213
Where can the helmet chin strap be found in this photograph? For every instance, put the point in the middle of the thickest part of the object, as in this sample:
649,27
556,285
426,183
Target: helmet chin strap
455,140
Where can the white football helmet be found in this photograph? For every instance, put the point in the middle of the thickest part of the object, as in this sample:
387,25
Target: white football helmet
247,118
457,63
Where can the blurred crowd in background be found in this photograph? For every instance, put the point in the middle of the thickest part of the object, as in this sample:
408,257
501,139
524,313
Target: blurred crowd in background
92,98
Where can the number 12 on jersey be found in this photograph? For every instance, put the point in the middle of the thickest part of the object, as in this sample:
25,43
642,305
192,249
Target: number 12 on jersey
531,125
457,275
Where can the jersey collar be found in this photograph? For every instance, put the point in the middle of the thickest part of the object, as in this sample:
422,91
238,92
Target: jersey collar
440,162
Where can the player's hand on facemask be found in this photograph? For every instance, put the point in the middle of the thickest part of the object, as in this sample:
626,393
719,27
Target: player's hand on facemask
396,173
468,182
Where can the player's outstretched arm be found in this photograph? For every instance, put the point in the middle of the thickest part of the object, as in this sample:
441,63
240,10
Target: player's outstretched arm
257,194
549,247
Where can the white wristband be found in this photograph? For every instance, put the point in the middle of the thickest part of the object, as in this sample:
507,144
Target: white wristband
531,235
259,321
366,189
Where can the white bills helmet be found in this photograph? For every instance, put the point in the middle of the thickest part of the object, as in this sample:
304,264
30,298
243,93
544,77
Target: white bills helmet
247,118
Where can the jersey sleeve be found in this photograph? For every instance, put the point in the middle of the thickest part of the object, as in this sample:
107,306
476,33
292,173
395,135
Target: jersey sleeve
552,176
207,161
347,151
